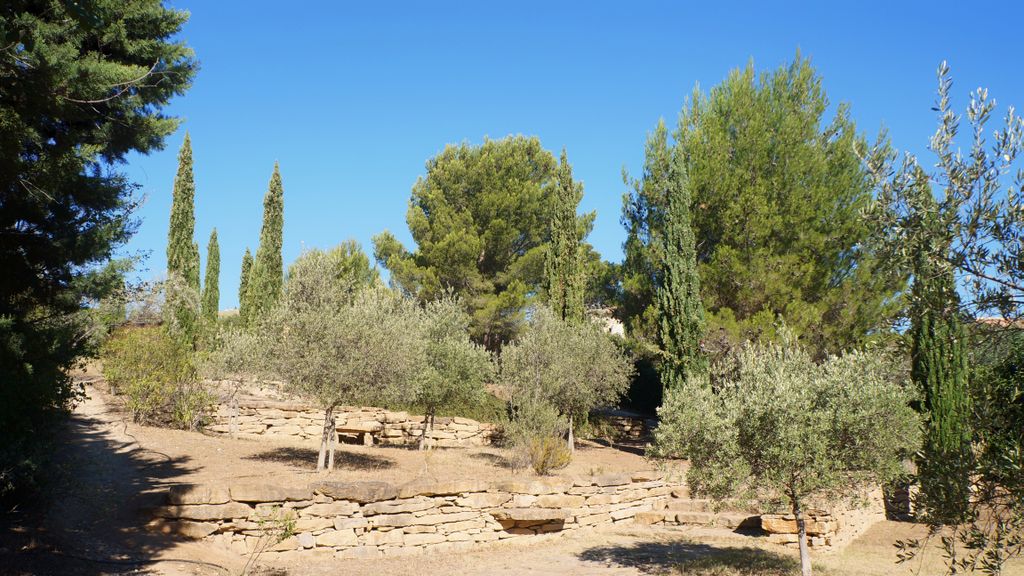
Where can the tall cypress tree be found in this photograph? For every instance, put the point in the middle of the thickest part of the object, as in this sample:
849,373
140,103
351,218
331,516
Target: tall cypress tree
678,301
563,263
643,215
267,276
211,284
243,286
939,366
182,251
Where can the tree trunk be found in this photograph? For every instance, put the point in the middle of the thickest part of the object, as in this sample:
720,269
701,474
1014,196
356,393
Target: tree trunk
801,529
423,433
572,439
328,420
332,435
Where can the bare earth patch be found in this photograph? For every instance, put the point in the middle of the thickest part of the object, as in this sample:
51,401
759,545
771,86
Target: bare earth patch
92,524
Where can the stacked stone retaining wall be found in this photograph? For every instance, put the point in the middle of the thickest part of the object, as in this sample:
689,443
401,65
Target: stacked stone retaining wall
277,419
371,519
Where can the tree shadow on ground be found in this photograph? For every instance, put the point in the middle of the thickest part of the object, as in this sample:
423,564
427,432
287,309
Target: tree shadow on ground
90,518
492,459
631,446
696,559
307,457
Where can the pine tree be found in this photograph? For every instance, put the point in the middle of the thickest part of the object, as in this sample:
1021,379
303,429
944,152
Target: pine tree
563,263
267,275
939,366
182,251
211,285
243,286
678,301
780,229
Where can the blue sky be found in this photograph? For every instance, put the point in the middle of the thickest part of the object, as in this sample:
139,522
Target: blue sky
353,98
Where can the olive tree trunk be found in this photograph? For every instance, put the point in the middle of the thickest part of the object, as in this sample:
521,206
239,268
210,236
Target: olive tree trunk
572,438
326,437
801,530
428,426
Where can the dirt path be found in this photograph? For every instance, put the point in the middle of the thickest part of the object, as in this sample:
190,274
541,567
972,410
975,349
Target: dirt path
93,523
107,471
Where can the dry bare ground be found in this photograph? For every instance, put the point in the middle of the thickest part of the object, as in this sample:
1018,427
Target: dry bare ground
109,469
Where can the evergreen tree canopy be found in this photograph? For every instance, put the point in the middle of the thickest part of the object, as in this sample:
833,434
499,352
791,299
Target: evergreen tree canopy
680,311
211,284
267,275
643,216
76,99
350,265
480,222
243,285
777,194
182,250
565,267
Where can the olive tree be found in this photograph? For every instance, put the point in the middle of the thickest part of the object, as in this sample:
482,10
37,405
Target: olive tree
340,347
784,427
453,368
572,367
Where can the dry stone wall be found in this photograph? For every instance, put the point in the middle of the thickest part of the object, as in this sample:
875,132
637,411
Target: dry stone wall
283,419
832,528
371,519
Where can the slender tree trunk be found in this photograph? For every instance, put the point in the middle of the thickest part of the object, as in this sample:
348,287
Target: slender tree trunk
333,435
801,529
572,439
324,436
423,433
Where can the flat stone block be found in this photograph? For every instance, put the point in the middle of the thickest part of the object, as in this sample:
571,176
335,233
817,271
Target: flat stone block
197,494
362,492
268,493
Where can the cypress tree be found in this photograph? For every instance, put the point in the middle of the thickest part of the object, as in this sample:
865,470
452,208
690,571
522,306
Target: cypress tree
243,285
211,285
939,366
563,264
643,215
679,306
267,275
182,251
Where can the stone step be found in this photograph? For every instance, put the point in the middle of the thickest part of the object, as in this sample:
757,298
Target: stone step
689,505
730,520
681,492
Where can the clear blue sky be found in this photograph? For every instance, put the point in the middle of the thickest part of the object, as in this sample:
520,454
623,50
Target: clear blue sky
353,98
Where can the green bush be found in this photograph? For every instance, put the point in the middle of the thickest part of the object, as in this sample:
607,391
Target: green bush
536,434
156,376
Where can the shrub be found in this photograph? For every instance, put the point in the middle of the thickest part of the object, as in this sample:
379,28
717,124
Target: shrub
535,434
573,368
155,374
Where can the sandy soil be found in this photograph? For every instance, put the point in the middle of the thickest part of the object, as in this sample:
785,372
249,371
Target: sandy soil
89,519
216,458
625,550
91,523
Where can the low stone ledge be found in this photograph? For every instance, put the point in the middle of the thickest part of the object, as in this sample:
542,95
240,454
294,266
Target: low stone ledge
530,514
536,487
427,487
205,511
251,492
186,528
202,494
362,492
817,523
